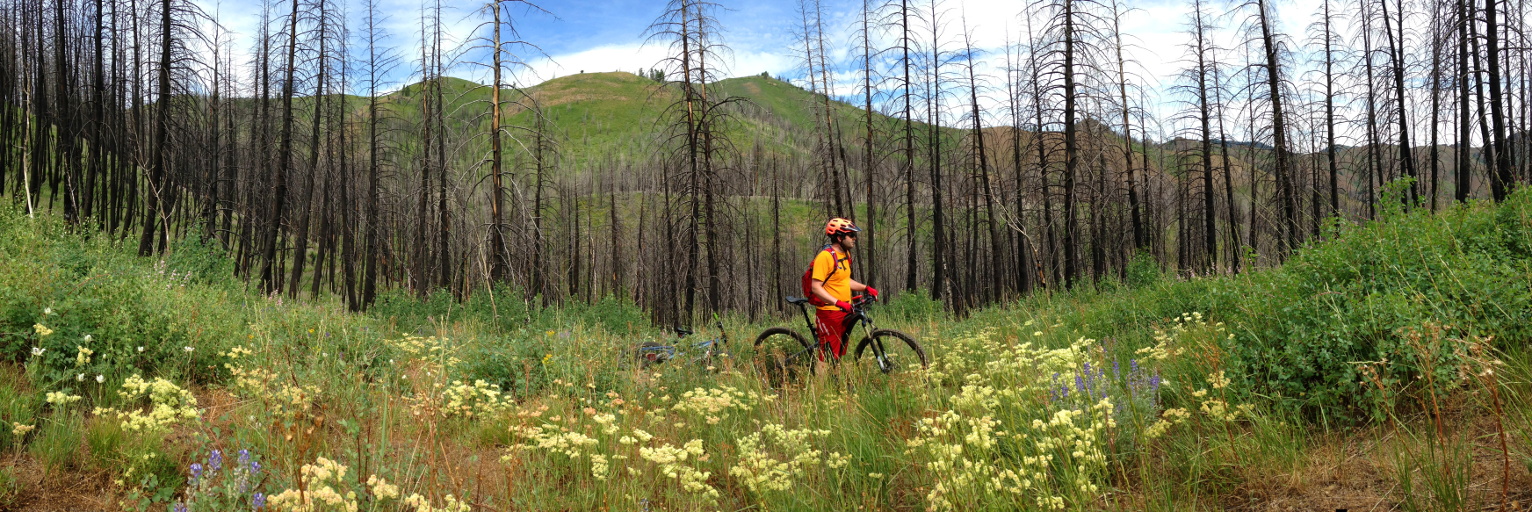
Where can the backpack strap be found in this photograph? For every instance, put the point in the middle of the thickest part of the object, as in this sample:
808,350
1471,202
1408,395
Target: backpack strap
834,260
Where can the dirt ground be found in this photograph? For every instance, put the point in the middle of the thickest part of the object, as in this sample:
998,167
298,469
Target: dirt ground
41,490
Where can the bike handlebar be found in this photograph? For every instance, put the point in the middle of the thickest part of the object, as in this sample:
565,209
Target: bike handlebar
856,300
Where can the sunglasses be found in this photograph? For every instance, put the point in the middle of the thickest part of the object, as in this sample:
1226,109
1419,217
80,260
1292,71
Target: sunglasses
850,235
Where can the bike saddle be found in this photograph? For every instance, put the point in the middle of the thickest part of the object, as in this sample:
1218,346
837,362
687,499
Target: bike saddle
797,300
682,331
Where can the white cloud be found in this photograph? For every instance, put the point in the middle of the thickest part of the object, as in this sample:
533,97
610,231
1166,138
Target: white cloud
621,57
762,35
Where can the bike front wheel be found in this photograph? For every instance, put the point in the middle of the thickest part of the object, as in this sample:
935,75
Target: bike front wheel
892,351
780,354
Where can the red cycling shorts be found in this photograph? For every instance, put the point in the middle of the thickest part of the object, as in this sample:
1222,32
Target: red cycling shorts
832,329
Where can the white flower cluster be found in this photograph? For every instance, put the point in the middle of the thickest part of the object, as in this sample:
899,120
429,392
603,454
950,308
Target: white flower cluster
325,488
672,463
168,404
714,405
59,398
318,490
606,443
435,351
984,449
469,400
760,467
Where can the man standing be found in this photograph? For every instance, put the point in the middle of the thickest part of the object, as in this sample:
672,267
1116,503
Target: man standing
832,285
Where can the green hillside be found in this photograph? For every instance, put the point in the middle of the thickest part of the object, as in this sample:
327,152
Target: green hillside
617,115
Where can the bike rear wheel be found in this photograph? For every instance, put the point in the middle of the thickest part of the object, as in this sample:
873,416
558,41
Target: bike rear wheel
892,351
781,354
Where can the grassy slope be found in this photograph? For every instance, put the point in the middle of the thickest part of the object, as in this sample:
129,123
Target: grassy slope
364,390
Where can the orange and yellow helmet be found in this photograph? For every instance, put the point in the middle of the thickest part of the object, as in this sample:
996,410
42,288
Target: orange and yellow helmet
838,226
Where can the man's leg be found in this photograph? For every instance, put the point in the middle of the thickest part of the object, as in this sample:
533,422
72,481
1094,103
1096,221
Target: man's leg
831,330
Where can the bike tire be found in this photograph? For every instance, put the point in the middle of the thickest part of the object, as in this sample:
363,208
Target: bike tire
780,353
891,350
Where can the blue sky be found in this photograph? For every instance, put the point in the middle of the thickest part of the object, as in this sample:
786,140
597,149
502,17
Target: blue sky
608,35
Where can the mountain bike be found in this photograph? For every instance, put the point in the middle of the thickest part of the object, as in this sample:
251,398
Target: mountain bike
781,352
704,354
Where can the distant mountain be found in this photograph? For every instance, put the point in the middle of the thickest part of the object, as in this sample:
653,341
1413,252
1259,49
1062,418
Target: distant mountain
612,120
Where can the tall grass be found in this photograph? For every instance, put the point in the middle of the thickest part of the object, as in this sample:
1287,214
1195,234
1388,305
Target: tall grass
1152,394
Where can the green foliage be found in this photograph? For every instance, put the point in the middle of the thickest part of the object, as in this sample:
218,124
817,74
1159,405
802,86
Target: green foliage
506,310
200,260
911,306
1300,330
1243,359
1142,271
1309,322
517,366
61,296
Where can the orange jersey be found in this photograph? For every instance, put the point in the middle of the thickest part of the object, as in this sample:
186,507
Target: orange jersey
837,283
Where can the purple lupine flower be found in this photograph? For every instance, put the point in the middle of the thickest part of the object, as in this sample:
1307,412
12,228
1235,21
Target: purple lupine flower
1090,380
196,470
1053,391
1101,377
258,501
215,461
255,467
180,507
244,457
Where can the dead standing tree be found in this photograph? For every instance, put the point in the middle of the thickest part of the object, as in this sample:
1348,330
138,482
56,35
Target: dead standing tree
1269,46
899,17
690,30
816,71
1197,85
503,41
871,158
1073,34
377,64
178,21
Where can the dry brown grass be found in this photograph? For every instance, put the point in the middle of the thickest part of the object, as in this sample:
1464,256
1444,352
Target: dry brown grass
1354,471
73,490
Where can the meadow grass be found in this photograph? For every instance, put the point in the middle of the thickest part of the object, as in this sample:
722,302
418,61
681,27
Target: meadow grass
1149,394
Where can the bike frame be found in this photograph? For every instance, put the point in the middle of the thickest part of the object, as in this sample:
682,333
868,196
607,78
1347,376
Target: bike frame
857,317
670,351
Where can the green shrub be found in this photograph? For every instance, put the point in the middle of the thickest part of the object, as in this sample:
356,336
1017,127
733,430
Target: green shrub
612,313
1142,271
1307,324
1300,330
131,317
516,365
911,306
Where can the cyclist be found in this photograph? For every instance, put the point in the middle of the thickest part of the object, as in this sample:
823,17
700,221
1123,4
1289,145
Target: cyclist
831,284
